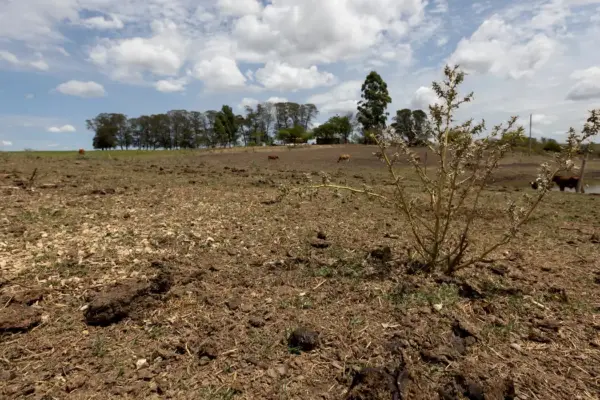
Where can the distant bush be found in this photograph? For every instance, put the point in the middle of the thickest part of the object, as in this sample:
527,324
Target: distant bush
552,146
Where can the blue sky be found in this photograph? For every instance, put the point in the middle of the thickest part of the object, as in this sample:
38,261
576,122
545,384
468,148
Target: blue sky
63,61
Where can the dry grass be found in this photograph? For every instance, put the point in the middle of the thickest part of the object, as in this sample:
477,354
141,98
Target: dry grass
99,221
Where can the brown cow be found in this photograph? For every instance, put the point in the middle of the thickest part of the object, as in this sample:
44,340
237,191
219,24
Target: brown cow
344,157
81,152
271,157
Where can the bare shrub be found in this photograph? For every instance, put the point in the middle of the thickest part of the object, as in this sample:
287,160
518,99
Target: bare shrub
466,159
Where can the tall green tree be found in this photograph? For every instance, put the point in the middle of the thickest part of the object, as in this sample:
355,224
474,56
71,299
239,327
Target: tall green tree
413,126
372,107
111,130
228,126
295,134
336,127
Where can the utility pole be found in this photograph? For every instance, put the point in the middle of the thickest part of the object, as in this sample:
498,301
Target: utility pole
530,120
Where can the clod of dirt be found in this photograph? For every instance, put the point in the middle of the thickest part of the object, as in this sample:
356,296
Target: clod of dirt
256,322
27,297
233,304
320,244
120,301
499,269
536,336
303,339
378,383
595,238
463,329
75,383
476,390
103,191
18,318
547,324
321,235
207,350
383,254
434,358
6,375
470,290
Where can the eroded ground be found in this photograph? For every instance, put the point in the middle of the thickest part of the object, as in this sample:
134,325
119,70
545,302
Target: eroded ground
182,277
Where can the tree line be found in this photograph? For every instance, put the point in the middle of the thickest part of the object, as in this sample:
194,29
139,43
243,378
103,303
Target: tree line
264,123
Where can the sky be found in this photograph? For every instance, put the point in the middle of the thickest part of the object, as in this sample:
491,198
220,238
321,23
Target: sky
65,61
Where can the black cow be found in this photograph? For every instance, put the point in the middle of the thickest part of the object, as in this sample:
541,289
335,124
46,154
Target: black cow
562,182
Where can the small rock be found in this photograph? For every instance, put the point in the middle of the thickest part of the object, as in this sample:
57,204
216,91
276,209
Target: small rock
153,386
282,370
303,339
321,235
516,346
272,373
141,363
438,307
204,361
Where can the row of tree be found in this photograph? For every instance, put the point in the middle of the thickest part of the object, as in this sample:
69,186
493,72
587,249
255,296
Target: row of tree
262,124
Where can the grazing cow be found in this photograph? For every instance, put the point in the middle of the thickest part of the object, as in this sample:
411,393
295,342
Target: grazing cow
344,157
562,182
81,152
273,157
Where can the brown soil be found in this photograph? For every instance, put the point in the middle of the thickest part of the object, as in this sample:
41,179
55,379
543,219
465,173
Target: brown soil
184,276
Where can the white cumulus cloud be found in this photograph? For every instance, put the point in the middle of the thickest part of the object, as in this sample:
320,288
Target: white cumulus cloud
281,76
276,99
247,102
239,7
61,129
83,89
342,98
423,98
219,73
162,54
170,85
101,23
6,143
499,48
587,86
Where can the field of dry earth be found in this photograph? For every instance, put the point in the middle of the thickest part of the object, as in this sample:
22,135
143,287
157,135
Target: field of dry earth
181,276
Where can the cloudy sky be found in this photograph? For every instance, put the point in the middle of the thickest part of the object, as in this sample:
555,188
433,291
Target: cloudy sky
63,61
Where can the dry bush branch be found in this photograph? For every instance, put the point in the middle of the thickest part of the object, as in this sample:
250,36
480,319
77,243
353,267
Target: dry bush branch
466,161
